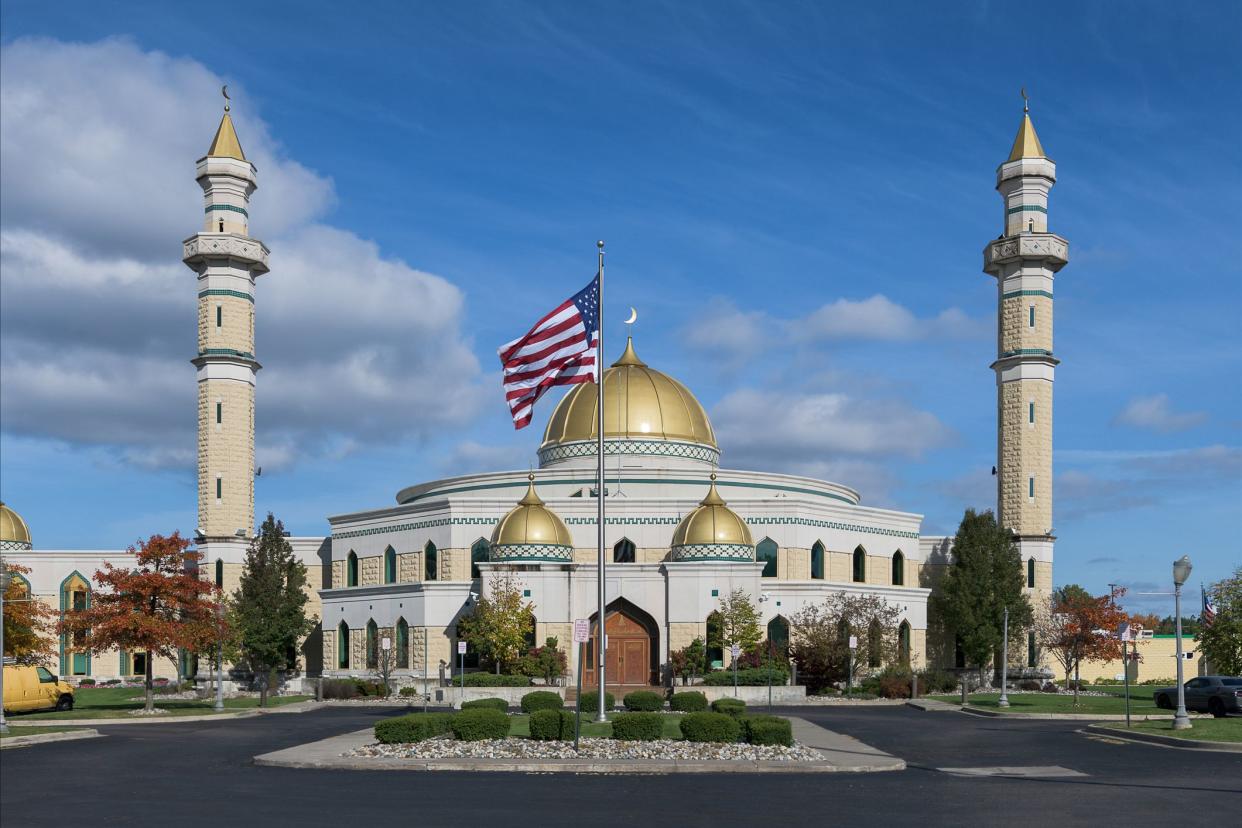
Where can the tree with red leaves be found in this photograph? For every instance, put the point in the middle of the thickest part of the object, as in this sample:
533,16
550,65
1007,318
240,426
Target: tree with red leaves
28,622
158,607
1078,627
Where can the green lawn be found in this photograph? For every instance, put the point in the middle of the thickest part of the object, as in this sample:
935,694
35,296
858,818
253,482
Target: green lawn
519,726
1203,730
1141,703
35,731
116,702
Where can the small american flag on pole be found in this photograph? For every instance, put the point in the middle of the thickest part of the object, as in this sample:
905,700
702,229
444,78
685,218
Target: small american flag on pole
1209,611
559,350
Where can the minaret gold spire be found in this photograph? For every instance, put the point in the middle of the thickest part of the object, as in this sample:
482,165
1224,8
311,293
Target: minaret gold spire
1026,143
225,144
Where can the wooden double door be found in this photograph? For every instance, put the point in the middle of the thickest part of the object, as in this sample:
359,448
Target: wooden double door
627,659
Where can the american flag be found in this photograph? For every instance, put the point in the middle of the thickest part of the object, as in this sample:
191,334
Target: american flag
558,350
1209,611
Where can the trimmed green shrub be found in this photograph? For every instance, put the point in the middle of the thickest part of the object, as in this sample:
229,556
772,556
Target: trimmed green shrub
547,725
492,704
340,689
754,677
767,730
567,725
86,682
409,691
688,702
542,700
589,701
493,680
637,727
935,680
412,727
480,723
733,707
710,727
645,701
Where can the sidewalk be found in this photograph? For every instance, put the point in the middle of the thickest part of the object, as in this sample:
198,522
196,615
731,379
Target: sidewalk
41,738
297,707
842,754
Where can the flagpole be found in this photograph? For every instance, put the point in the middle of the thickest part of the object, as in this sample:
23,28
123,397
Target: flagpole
601,642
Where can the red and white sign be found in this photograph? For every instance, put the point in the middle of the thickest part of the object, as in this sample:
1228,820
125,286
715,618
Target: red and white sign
582,631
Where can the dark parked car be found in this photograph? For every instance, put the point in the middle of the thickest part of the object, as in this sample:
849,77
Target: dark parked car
1218,695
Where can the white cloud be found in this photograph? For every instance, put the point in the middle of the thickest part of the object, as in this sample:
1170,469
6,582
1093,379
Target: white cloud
97,313
1156,413
470,456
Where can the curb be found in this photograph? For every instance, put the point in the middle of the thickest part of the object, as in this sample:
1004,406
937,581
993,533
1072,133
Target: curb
296,707
933,706
41,738
613,766
1062,717
1166,741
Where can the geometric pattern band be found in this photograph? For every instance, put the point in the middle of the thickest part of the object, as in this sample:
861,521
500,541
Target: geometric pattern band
650,448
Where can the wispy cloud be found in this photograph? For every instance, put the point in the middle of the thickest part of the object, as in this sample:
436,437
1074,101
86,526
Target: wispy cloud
1156,413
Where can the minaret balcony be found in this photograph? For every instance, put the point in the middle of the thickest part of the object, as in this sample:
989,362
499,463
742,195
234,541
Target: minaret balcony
204,246
1046,247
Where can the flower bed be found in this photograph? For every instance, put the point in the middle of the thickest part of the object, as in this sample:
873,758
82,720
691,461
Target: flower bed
442,748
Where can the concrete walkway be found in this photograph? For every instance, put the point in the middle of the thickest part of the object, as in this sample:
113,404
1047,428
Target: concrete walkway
40,738
296,707
842,754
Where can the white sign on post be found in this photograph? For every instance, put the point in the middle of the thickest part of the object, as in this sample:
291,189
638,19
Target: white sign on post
853,642
736,650
582,631
461,648
386,643
1123,631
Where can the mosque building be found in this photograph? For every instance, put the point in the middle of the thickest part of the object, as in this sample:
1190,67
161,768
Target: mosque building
682,529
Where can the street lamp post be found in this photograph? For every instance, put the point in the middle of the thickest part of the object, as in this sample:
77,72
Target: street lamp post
1181,571
4,586
219,706
1004,697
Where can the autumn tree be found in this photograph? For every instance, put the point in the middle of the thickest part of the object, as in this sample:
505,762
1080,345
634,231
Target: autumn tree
500,622
28,622
819,638
739,620
983,581
1078,626
158,607
689,661
269,606
1221,639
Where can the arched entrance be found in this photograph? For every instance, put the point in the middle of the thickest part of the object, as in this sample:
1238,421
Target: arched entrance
632,654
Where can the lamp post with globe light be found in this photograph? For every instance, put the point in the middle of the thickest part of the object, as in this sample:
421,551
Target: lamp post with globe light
1181,572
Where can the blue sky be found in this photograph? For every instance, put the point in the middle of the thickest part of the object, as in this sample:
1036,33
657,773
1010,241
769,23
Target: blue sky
794,197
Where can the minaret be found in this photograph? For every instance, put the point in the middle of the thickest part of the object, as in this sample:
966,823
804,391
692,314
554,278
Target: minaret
1024,260
227,261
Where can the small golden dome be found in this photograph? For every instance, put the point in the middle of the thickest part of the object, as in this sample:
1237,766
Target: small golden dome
531,524
712,523
640,403
14,533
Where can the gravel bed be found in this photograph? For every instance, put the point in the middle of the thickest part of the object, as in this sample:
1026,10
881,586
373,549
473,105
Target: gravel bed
448,748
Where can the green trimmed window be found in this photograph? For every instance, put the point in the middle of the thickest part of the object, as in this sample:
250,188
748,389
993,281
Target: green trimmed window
372,645
817,561
1030,412
431,562
765,553
624,551
390,566
1031,654
903,643
219,413
351,569
1030,573
875,636
1030,487
403,644
220,572
778,637
899,568
860,565
479,552
1030,321
219,487
219,316
342,646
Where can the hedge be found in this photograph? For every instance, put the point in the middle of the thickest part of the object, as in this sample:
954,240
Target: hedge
754,677
637,727
492,704
710,727
480,723
412,727
734,707
589,701
339,688
646,701
545,725
688,702
542,700
493,680
767,730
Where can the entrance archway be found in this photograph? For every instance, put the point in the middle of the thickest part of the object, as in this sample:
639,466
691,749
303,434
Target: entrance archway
633,651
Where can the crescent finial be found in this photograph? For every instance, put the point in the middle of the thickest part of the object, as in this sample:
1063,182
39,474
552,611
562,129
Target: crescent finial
1026,101
224,90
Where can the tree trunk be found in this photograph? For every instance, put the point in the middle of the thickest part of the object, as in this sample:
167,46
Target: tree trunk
263,679
150,702
1077,681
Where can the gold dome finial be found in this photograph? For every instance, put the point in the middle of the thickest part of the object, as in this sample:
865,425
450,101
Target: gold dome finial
225,144
629,357
713,497
1026,144
531,498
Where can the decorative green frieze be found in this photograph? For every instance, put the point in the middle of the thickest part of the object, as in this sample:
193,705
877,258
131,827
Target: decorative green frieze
1016,293
228,207
650,448
237,294
1027,208
1026,352
713,552
226,352
532,552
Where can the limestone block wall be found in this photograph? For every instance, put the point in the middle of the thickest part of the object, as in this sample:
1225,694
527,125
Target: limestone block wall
236,318
410,566
793,564
1025,452
370,570
225,450
338,575
1016,331
681,634
840,566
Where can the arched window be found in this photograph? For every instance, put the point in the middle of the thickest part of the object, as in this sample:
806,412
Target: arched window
220,573
403,644
479,552
431,562
351,569
860,565
903,643
1031,654
390,565
1030,573
778,637
817,561
342,646
23,586
715,640
624,551
899,568
372,645
765,553
875,642
529,640
75,595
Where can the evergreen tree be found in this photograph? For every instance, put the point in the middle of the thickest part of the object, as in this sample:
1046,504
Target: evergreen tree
985,577
269,606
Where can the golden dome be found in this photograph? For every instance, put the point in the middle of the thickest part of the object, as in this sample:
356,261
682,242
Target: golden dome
640,403
531,530
14,533
713,525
